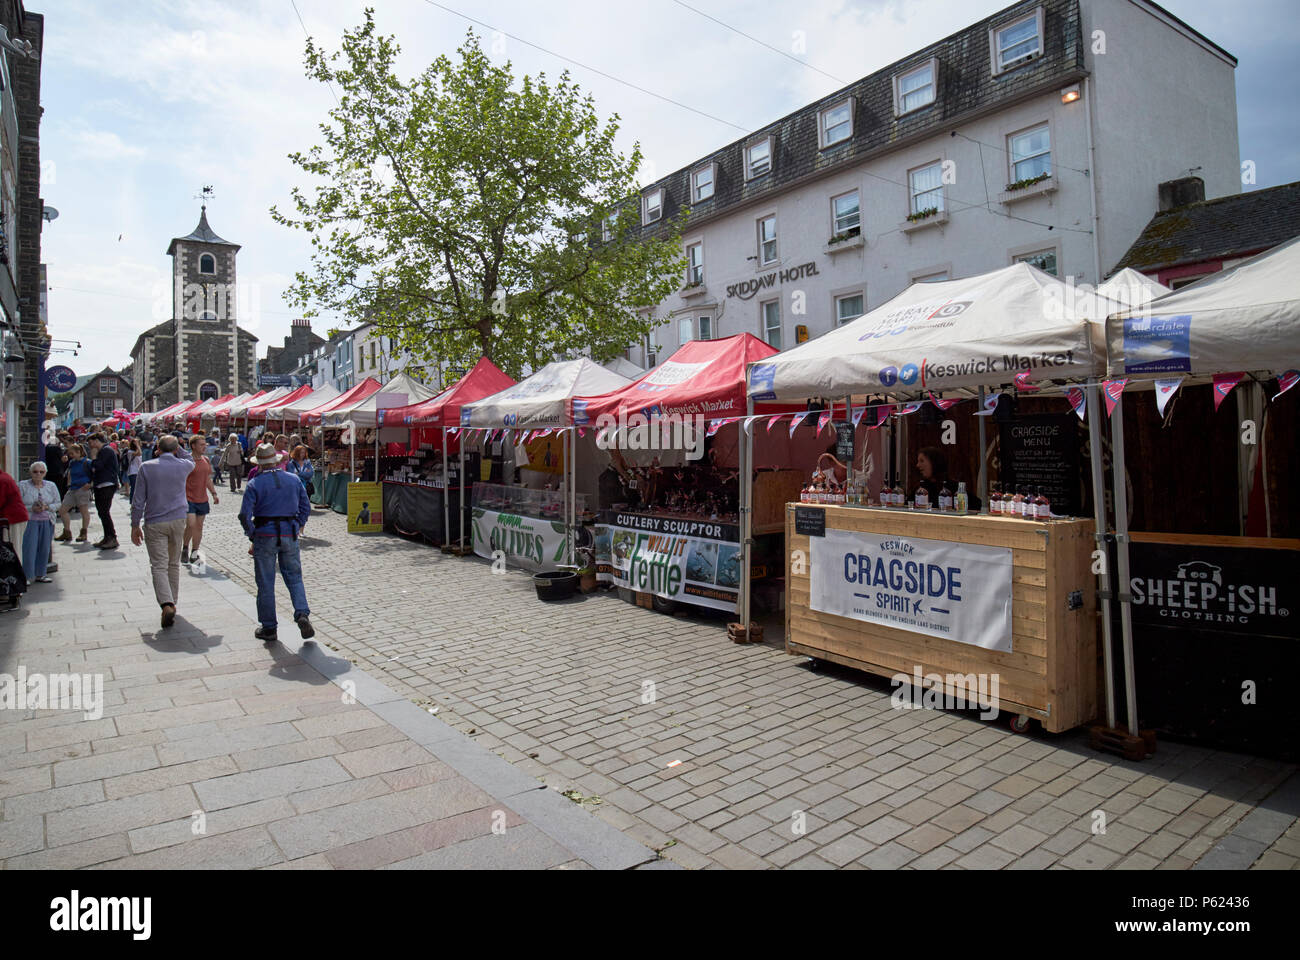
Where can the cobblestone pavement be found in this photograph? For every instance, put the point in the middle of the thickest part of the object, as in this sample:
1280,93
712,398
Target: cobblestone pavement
739,744
216,751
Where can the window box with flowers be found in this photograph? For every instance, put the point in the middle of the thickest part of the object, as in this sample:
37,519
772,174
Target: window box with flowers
1030,187
850,239
929,217
695,289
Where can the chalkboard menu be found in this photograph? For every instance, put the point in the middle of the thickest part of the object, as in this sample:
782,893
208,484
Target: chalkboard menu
844,442
1042,451
810,521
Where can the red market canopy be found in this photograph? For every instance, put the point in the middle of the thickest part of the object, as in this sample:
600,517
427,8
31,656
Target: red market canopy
224,411
704,377
258,410
169,411
346,399
444,410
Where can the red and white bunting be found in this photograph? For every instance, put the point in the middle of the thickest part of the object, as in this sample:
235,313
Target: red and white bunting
907,408
823,418
944,403
857,417
1223,384
1113,390
1077,400
1286,381
1023,384
990,404
797,419
772,421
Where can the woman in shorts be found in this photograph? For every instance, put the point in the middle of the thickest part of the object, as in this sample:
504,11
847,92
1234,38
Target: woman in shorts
79,493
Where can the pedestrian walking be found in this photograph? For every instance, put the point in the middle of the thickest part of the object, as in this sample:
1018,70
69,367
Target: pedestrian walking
233,457
39,497
302,468
197,487
78,494
55,451
103,474
136,455
273,513
158,514
13,578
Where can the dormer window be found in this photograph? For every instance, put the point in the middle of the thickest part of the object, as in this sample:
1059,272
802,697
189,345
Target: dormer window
207,263
1016,43
702,183
915,88
652,206
836,124
758,158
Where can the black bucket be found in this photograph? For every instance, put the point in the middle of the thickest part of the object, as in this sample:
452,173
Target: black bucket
555,584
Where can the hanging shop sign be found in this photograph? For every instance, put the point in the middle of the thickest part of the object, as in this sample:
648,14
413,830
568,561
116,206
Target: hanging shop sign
59,379
689,561
528,542
957,591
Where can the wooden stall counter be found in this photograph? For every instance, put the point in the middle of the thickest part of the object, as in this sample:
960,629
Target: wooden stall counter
896,592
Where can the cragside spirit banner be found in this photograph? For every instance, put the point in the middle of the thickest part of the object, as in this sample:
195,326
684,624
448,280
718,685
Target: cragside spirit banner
957,591
536,545
684,560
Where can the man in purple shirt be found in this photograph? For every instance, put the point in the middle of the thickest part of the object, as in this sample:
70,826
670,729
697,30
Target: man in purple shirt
160,503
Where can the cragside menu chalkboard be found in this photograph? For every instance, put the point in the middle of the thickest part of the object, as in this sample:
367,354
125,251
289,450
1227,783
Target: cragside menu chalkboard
1042,451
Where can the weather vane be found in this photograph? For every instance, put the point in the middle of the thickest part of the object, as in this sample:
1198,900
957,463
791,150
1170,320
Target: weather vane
205,194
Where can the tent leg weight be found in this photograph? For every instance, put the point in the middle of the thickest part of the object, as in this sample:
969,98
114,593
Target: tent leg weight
1121,742
736,631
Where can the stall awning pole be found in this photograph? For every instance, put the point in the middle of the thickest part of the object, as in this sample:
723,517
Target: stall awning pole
982,485
746,480
460,502
446,493
573,495
1099,514
1121,565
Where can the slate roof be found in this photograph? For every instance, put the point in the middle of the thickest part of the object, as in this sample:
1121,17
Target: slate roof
966,89
1218,229
201,234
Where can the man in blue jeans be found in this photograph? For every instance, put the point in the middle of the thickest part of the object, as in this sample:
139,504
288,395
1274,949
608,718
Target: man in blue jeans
274,511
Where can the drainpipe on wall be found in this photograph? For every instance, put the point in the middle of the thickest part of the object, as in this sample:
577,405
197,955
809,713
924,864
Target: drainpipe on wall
1092,183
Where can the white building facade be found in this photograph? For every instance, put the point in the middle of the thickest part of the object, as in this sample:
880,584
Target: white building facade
1041,133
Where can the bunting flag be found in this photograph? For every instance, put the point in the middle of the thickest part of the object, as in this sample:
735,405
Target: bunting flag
1023,384
823,419
453,431
582,431
1113,389
944,404
772,421
909,408
714,427
857,417
1077,400
878,416
797,419
1164,390
990,404
1223,384
1286,381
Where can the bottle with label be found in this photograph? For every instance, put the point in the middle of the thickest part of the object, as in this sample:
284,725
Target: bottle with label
921,499
900,498
995,500
1042,506
1018,503
945,498
803,494
961,503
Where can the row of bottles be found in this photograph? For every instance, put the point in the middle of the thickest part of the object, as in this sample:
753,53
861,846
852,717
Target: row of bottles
1027,503
855,493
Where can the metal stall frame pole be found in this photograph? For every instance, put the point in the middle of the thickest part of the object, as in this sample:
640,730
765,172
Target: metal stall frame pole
1099,516
1122,570
460,543
848,417
446,493
746,458
982,484
571,492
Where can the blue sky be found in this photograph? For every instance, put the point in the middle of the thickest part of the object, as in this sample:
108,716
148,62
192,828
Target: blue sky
145,107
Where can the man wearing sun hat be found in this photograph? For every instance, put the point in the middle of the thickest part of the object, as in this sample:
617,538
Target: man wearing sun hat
274,511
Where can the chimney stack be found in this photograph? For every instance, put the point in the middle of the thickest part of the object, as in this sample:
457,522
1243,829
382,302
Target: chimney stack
1181,192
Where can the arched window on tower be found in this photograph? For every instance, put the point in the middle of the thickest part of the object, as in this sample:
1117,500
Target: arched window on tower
208,390
207,263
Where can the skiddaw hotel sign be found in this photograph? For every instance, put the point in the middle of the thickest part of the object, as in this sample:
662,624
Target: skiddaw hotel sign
957,591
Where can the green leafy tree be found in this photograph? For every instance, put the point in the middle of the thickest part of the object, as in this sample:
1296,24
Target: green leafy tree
468,214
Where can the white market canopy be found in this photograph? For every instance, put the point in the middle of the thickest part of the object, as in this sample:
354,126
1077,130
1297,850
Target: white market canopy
400,391
624,368
236,410
291,411
1241,320
949,335
542,400
225,405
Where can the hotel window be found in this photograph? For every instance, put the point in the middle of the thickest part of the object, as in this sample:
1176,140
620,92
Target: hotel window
846,213
1016,43
706,328
926,185
772,323
1031,153
914,89
848,308
1044,260
836,124
758,158
695,264
702,184
767,239
685,330
652,206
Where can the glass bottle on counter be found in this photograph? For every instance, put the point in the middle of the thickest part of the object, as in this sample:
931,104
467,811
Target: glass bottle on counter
995,500
803,493
945,498
961,502
1018,503
1042,506
921,499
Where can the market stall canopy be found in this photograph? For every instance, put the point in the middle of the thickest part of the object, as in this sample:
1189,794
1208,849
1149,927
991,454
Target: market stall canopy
705,377
401,391
218,408
1244,319
1132,288
948,335
236,410
542,399
444,410
258,410
345,399
291,411
624,368
167,411
205,408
